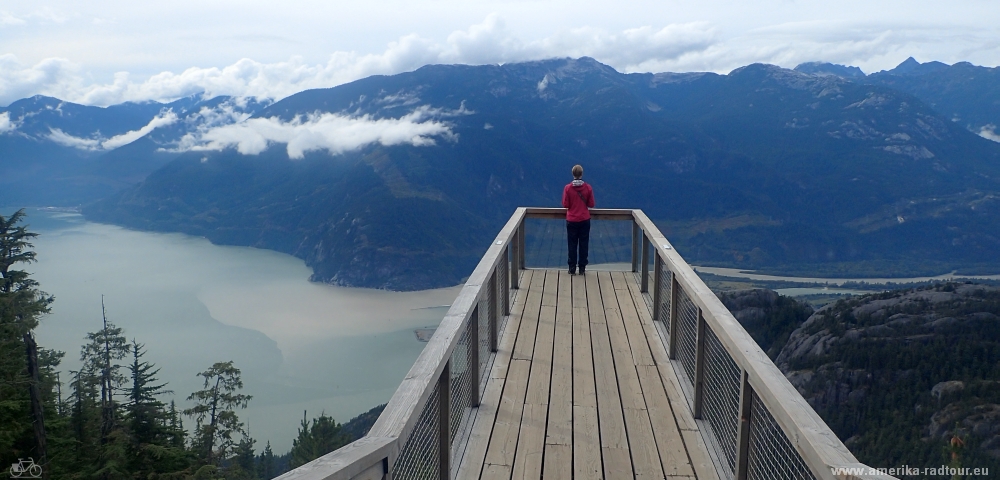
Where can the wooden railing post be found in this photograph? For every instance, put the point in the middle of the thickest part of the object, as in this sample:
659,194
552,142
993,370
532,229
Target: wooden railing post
474,346
506,285
675,297
520,249
645,264
657,278
444,422
743,427
699,366
494,316
635,246
514,248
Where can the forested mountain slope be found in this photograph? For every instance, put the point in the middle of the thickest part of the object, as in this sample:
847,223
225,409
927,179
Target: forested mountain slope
764,167
899,375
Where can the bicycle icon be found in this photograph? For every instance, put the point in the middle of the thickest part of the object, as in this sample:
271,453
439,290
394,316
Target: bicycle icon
32,469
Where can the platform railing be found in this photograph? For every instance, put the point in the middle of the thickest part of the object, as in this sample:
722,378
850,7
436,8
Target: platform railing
756,424
424,428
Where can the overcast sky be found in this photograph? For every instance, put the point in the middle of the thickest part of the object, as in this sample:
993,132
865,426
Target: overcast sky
103,52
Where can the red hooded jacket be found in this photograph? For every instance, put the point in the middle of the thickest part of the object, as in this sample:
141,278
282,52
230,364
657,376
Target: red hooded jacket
577,197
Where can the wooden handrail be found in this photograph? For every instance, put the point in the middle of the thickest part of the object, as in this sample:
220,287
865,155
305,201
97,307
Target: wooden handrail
806,431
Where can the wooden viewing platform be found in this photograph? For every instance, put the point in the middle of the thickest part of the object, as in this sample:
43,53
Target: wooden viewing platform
535,373
581,387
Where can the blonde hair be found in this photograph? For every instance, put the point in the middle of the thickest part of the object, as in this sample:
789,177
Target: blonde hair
577,171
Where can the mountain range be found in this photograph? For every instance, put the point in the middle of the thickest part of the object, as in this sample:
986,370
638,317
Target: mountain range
401,181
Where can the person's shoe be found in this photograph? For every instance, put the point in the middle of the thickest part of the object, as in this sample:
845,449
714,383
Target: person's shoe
583,270
572,271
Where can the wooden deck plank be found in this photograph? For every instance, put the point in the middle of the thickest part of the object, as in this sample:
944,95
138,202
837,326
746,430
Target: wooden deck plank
525,344
541,361
631,315
482,428
673,455
582,388
642,444
505,344
559,430
587,462
558,462
611,420
503,441
530,443
531,440
551,290
692,447
704,469
496,472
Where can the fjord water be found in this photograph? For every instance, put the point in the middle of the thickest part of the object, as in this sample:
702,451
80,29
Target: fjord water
300,345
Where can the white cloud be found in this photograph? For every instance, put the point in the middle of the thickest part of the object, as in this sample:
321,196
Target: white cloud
6,18
97,142
988,132
161,120
6,125
67,140
335,133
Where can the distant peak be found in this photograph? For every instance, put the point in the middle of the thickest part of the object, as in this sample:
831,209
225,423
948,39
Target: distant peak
907,66
826,68
911,66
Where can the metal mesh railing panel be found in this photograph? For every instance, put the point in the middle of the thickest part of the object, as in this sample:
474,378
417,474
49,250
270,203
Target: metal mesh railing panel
462,380
771,456
420,458
546,246
688,333
721,396
664,282
483,326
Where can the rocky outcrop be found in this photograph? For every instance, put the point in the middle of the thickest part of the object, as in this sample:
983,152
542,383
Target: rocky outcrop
920,365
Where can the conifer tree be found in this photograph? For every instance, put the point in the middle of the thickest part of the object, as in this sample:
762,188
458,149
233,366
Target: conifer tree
85,421
153,429
22,396
101,358
243,461
215,412
322,437
266,469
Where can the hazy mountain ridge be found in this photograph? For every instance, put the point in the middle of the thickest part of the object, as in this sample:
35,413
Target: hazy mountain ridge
836,173
966,94
764,168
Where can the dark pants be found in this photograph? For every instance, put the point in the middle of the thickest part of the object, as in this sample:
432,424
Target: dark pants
578,234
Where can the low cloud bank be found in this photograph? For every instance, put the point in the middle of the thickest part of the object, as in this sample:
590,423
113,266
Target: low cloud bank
335,133
6,125
99,143
162,120
988,132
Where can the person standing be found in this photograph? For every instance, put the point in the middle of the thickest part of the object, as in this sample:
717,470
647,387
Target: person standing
578,199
